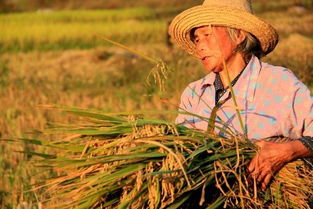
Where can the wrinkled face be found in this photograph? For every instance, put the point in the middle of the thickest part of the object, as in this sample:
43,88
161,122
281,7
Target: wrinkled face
213,45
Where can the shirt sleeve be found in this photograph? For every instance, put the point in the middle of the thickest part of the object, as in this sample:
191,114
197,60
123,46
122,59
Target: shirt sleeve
301,114
185,107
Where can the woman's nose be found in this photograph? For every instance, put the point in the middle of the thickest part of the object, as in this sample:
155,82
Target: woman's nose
200,47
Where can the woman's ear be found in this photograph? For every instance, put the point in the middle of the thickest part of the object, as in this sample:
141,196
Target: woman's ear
241,36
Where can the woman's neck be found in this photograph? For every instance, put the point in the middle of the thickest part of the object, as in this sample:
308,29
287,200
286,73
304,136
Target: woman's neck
234,66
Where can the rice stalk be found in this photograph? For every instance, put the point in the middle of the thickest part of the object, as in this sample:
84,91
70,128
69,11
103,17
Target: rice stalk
160,70
233,96
160,165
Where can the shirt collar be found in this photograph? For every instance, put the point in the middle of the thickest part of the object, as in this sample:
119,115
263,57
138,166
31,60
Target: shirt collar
247,82
246,85
208,80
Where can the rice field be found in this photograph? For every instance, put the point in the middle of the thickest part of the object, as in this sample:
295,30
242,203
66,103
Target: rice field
79,29
59,57
61,30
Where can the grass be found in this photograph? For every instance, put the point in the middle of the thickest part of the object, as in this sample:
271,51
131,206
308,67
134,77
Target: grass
101,76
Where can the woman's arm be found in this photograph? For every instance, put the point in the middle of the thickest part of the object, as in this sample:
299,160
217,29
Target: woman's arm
272,156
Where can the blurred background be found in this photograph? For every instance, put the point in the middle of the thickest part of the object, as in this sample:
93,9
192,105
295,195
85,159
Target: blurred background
52,52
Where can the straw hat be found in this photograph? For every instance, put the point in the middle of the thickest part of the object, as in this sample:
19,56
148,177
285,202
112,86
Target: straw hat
231,13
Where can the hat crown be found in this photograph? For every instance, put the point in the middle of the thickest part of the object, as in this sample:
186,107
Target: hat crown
244,5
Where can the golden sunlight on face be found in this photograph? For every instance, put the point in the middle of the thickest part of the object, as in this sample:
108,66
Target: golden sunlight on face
213,45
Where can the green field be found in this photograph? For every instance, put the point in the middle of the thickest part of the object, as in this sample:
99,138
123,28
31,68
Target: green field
80,29
60,58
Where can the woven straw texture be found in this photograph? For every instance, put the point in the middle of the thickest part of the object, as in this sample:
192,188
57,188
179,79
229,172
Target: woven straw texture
219,15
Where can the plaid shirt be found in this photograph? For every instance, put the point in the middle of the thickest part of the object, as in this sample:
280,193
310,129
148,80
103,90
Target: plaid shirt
271,100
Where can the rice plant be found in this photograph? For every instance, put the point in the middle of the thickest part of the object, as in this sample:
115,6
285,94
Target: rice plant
123,160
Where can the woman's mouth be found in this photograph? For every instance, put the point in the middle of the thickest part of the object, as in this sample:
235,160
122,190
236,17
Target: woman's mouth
204,58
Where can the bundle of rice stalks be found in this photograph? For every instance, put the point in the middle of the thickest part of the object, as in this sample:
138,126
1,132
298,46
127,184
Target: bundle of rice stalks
124,161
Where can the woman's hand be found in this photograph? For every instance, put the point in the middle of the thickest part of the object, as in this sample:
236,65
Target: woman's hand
270,158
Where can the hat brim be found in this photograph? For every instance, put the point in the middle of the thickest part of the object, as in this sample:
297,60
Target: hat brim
198,16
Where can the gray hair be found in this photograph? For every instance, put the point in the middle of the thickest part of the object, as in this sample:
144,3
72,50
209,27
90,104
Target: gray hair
250,46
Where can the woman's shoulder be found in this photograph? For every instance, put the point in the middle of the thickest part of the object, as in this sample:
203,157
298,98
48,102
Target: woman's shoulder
278,73
280,77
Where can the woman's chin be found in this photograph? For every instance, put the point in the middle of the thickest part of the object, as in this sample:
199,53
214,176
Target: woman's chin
212,66
212,69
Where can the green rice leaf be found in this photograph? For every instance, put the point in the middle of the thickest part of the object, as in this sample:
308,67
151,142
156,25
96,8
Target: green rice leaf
179,201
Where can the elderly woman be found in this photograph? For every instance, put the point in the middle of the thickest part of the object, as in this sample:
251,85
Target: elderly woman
229,41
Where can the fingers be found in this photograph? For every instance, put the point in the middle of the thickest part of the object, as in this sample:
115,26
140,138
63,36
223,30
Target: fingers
259,173
254,164
251,166
261,176
264,178
255,161
266,181
252,170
